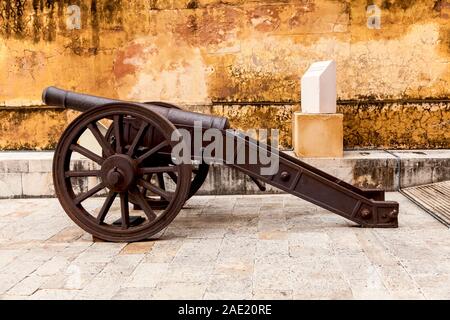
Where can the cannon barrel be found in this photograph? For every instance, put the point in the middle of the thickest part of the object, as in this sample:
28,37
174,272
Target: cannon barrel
82,102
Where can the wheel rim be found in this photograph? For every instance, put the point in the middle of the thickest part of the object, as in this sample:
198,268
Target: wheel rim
120,168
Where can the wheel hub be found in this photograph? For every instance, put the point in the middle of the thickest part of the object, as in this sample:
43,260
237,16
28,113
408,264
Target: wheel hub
118,172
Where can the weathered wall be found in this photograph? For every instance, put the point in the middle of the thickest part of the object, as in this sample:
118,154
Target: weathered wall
235,57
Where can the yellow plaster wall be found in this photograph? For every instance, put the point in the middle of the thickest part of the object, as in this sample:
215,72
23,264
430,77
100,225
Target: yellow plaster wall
208,52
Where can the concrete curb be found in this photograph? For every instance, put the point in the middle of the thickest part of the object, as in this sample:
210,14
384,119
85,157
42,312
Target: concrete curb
29,174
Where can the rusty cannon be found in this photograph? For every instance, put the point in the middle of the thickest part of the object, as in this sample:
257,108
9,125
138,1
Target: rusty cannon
135,165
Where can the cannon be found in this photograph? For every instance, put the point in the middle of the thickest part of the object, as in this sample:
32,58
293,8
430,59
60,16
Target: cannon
136,166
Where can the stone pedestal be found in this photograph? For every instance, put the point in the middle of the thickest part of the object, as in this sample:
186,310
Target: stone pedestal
318,135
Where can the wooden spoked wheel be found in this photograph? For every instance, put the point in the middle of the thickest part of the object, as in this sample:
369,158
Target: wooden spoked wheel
120,171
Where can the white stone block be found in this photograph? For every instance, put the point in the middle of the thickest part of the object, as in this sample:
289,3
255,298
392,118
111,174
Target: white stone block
10,185
13,166
40,165
319,88
38,184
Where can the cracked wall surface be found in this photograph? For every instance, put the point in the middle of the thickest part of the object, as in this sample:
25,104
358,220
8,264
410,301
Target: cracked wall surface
397,124
243,59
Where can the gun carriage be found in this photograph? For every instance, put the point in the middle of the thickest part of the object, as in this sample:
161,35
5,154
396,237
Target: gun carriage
136,166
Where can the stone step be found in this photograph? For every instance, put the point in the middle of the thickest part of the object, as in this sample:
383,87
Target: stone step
29,174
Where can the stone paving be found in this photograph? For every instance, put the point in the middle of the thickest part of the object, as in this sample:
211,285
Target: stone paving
226,247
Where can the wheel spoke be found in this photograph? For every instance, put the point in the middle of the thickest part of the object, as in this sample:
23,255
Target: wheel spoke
167,169
161,183
118,121
125,210
105,208
147,185
87,153
106,147
137,138
142,202
152,151
173,176
82,173
147,178
89,193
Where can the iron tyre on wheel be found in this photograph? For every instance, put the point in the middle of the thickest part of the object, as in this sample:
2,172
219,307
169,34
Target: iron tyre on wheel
119,171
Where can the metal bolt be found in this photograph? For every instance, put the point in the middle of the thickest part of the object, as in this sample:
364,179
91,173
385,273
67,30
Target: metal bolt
285,176
114,176
365,213
393,214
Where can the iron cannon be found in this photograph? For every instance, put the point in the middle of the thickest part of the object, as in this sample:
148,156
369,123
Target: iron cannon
135,165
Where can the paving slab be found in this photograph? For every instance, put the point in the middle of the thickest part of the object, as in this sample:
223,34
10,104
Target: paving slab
254,247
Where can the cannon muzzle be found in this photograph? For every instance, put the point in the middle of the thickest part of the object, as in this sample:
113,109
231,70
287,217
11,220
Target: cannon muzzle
67,99
83,102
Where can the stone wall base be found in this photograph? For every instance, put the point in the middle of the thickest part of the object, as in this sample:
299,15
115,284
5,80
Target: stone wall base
28,174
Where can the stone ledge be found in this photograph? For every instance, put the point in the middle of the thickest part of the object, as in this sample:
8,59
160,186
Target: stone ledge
28,174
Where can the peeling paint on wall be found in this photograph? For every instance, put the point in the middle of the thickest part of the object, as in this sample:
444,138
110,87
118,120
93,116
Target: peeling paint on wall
240,51
397,125
141,74
207,52
31,129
